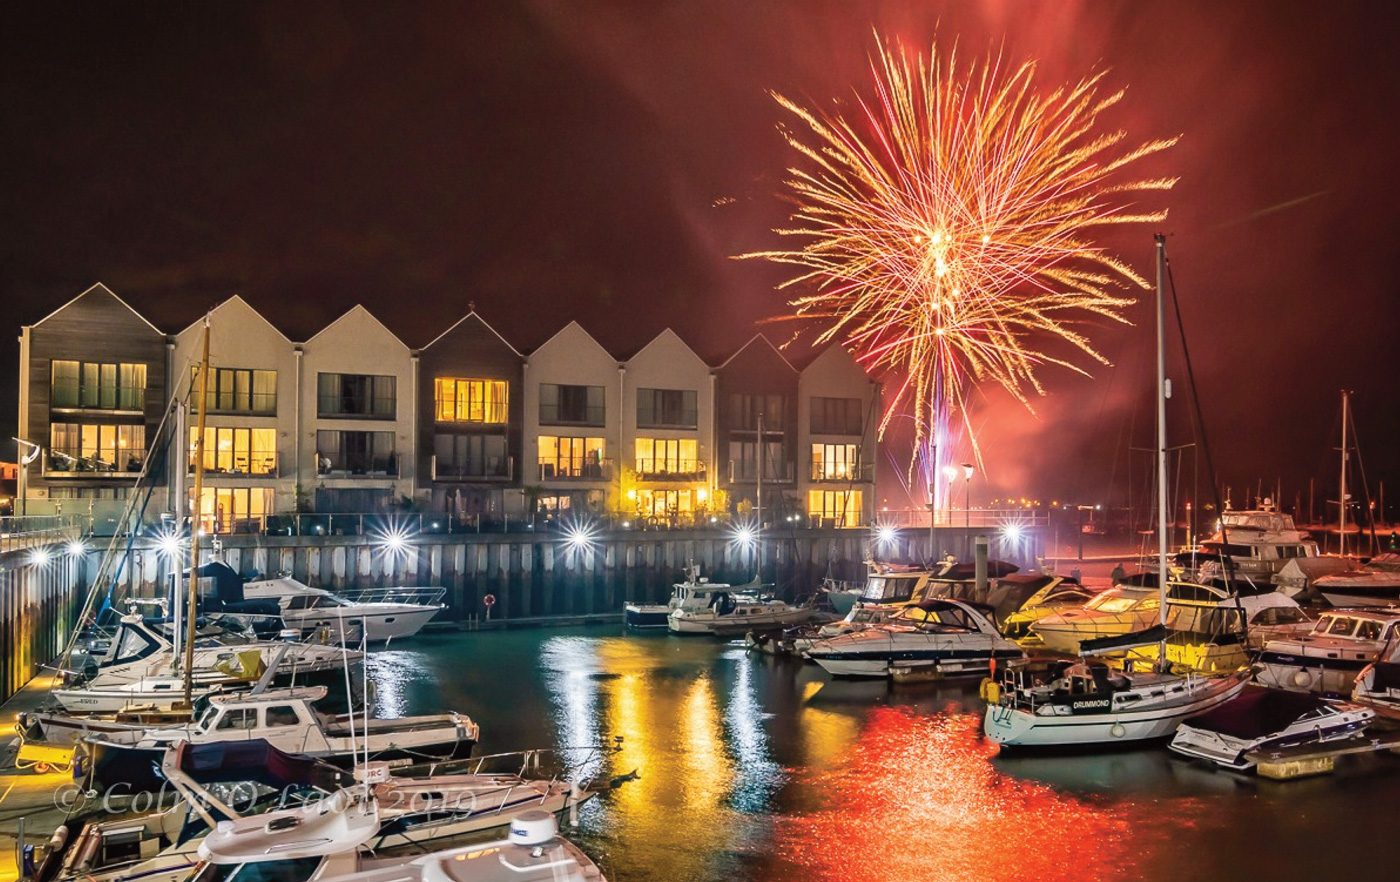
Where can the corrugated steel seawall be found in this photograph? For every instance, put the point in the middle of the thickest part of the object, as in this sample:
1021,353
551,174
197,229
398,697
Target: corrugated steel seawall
532,575
39,600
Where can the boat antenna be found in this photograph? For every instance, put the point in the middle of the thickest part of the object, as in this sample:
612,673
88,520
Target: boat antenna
195,519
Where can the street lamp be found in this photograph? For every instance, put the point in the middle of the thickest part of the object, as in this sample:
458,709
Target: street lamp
24,461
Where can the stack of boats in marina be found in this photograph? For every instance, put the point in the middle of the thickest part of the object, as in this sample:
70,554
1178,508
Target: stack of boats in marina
252,804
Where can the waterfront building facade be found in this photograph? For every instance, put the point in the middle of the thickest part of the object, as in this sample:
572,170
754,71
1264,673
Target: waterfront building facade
470,417
357,414
92,379
667,425
470,426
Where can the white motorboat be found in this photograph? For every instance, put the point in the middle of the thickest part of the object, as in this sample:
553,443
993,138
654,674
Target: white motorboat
1376,583
286,719
1378,685
695,592
1123,609
1085,704
1260,718
140,668
315,611
730,615
951,636
1328,658
1056,596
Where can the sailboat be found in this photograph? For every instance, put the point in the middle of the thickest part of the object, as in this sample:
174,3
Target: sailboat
1084,703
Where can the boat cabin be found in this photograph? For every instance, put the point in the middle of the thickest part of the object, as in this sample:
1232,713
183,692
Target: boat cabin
1380,626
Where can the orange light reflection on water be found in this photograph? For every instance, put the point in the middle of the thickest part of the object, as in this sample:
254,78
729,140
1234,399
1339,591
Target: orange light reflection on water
916,798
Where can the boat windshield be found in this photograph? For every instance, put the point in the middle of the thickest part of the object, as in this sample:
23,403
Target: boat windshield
1114,602
885,588
207,719
292,870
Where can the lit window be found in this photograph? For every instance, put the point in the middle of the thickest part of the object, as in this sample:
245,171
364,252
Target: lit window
570,457
661,457
464,400
839,506
834,462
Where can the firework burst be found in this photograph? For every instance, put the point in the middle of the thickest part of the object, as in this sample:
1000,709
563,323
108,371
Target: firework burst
946,225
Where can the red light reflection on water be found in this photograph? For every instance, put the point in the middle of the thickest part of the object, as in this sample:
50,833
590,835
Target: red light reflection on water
916,798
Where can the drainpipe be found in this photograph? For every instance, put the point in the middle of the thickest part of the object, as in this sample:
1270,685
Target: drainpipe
621,428
412,458
297,406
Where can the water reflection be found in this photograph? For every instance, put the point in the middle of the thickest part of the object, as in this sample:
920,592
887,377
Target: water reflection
916,798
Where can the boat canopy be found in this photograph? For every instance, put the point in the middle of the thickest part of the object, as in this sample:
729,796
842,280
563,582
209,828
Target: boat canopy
254,760
1257,712
1149,637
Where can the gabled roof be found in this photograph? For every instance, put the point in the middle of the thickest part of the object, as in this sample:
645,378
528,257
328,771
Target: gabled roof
842,353
758,338
666,333
236,300
100,289
485,324
559,333
356,309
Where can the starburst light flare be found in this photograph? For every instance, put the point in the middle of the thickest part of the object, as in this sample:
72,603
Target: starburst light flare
946,221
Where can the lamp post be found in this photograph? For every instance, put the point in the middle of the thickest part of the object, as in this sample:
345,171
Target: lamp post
967,502
24,461
950,473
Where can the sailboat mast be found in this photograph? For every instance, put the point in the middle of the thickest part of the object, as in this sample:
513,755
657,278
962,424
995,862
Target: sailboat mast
1163,392
196,510
758,491
1342,486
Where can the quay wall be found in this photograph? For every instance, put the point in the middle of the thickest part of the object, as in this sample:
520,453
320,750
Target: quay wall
541,575
39,599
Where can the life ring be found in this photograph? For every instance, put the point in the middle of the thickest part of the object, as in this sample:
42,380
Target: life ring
489,600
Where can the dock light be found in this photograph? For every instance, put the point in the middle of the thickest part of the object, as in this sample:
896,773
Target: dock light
886,535
579,536
40,557
1011,532
76,547
393,539
169,543
745,535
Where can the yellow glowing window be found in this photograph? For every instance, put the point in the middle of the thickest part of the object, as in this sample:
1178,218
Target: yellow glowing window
461,400
562,457
667,456
226,509
665,503
840,506
834,462
237,451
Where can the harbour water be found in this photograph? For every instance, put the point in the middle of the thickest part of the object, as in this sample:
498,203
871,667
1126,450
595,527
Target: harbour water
749,767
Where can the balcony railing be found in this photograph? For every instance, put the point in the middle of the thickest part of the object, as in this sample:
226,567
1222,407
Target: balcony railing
66,395
257,463
671,470
61,464
834,475
566,470
355,466
740,472
501,468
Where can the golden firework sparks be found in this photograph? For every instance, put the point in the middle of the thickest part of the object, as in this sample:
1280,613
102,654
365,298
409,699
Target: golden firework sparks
946,225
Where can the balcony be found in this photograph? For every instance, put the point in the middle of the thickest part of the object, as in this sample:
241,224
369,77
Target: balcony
565,470
256,464
671,470
65,465
839,475
345,466
494,468
747,472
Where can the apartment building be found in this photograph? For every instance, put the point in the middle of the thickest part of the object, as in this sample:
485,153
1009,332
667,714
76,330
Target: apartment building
353,420
92,380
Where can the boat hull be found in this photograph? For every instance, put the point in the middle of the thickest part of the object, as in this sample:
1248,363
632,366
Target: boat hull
1012,726
646,617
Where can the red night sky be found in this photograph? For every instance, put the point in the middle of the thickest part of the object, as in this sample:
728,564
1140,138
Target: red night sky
552,160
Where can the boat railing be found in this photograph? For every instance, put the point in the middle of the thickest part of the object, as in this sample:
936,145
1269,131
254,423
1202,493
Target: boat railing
537,764
427,595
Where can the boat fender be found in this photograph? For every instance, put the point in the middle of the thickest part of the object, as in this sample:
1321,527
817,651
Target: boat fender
1302,677
1118,731
58,840
989,690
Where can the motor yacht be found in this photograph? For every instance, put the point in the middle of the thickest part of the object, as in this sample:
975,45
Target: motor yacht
1258,544
951,636
286,719
317,612
696,592
1376,583
732,615
1123,609
1054,595
1328,658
